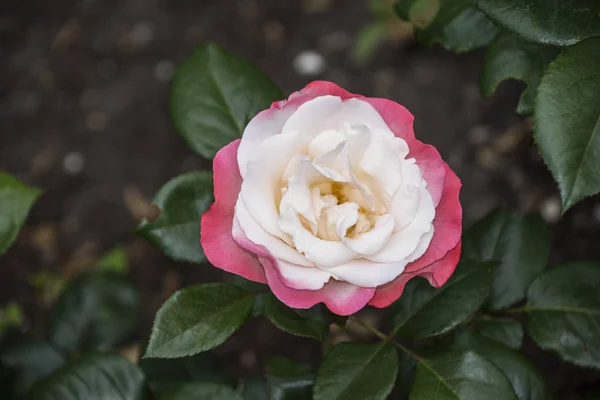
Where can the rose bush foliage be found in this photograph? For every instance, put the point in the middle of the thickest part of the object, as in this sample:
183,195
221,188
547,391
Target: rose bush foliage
329,197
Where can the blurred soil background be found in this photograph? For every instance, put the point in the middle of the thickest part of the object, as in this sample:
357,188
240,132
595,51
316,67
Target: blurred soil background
84,92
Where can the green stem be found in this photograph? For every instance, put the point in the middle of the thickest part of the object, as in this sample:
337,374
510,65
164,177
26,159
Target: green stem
386,338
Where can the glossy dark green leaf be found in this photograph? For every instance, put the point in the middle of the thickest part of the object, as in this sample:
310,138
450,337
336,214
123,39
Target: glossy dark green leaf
509,57
527,382
288,320
205,391
259,300
165,375
197,319
102,376
96,312
455,24
16,199
424,311
289,380
519,243
407,370
357,371
563,312
32,360
567,115
214,95
460,375
182,202
506,331
561,23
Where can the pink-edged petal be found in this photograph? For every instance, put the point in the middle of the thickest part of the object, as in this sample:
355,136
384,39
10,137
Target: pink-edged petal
359,112
293,276
433,170
439,261
271,121
437,274
397,118
340,297
447,224
323,88
366,273
216,224
302,278
400,121
315,116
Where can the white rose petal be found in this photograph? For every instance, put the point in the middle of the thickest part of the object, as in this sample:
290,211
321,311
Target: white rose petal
329,193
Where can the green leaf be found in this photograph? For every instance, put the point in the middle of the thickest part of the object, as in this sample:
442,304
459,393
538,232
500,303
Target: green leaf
198,318
519,243
289,380
204,390
424,311
563,307
567,121
214,95
509,57
32,360
357,371
96,312
16,199
458,375
506,331
165,375
407,370
527,382
561,23
115,260
455,24
255,287
288,320
182,202
101,376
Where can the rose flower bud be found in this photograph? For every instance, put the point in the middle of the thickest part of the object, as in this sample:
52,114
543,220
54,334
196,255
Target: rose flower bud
328,197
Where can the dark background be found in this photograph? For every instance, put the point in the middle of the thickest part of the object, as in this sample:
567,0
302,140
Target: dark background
84,91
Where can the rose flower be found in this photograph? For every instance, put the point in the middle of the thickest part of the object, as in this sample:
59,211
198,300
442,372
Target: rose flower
329,197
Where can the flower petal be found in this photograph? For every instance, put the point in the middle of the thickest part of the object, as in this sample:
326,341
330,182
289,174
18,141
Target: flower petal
437,273
323,88
216,224
252,232
447,224
360,112
400,121
340,297
365,273
315,116
404,242
302,278
371,242
324,253
261,186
